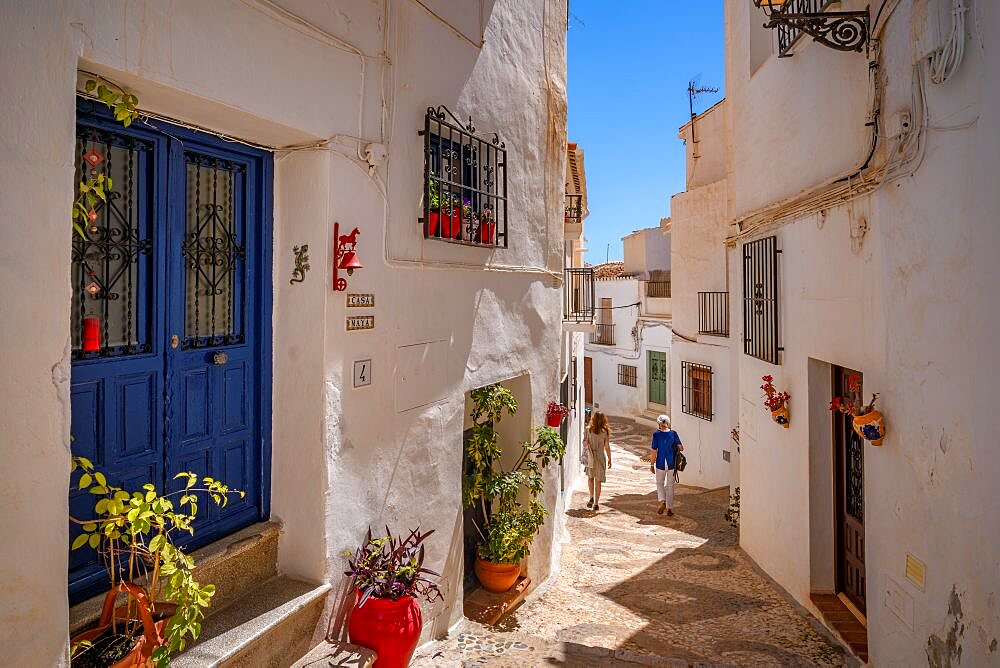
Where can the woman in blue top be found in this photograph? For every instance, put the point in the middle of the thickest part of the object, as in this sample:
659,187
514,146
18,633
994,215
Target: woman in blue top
664,445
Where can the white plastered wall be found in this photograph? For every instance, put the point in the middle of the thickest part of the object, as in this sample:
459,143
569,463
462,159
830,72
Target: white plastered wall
342,458
911,308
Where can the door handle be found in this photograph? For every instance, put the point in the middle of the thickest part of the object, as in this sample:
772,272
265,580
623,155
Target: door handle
174,341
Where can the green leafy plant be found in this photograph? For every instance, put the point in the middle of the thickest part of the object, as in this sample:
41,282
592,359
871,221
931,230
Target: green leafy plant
433,197
508,498
133,531
117,99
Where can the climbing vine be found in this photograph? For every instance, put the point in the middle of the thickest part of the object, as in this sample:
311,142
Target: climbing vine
94,187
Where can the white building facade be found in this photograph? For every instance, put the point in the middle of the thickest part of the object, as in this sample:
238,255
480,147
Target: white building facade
861,196
629,351
335,413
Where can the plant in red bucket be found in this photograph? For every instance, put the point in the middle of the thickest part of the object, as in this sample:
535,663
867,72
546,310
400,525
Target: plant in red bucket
554,413
776,402
487,227
133,531
868,423
389,576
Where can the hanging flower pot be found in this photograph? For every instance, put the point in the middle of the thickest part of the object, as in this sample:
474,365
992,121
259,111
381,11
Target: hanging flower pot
776,402
554,414
91,334
390,628
496,578
870,426
781,416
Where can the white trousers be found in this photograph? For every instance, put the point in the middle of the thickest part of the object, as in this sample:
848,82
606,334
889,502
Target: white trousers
665,486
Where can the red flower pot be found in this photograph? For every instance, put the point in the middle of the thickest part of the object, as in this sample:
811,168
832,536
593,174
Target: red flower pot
152,632
486,232
554,419
433,220
390,628
91,334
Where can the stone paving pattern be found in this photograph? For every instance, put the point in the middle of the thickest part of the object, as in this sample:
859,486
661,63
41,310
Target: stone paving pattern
637,588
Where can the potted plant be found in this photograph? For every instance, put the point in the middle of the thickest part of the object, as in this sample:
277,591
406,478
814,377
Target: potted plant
134,533
487,226
554,413
389,576
776,402
433,208
868,423
508,498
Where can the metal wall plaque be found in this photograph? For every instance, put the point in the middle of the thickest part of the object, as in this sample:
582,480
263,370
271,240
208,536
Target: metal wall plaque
356,322
362,373
356,300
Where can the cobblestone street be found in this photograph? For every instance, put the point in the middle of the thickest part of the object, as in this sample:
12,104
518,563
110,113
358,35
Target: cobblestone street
641,588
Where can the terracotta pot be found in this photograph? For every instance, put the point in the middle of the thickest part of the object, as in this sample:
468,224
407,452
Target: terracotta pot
390,628
781,416
496,578
152,632
870,426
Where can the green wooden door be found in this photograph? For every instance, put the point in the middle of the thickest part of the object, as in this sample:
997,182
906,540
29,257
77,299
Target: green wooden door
656,368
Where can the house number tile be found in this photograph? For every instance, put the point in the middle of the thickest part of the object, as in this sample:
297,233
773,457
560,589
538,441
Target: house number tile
356,300
362,373
356,322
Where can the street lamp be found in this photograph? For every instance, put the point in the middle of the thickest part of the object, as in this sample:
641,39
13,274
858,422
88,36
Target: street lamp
844,31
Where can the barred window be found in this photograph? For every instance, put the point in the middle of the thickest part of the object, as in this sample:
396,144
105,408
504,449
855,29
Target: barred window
465,182
628,375
760,299
696,390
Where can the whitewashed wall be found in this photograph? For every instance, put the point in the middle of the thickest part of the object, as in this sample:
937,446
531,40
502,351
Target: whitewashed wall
448,318
912,307
645,250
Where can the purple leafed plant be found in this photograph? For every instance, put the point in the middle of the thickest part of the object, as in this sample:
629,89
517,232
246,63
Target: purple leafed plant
392,567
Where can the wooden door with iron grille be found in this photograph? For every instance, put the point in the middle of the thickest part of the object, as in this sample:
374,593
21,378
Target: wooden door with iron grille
850,508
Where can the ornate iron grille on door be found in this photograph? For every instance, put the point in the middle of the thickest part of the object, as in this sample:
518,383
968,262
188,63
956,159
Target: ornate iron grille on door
214,252
465,182
760,299
112,258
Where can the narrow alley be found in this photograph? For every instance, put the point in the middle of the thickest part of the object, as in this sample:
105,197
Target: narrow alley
639,588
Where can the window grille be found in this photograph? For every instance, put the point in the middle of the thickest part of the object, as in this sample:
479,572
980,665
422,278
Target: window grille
696,390
603,334
573,387
760,299
658,289
713,313
628,375
112,261
465,182
578,295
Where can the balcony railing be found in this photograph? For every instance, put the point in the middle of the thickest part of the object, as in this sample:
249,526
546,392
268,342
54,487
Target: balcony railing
657,288
604,335
713,313
573,208
578,295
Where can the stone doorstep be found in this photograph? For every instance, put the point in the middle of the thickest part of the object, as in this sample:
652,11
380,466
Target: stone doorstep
266,627
843,622
233,564
489,608
329,653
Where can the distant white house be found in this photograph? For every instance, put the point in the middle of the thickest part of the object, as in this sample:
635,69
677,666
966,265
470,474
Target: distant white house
626,369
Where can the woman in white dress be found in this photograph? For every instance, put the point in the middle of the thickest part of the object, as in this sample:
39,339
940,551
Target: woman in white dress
597,440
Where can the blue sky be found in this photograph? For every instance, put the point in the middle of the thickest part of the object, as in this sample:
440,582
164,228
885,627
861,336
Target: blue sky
629,65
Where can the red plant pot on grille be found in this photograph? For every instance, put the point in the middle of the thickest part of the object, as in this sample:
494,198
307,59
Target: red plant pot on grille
486,232
390,628
554,419
433,220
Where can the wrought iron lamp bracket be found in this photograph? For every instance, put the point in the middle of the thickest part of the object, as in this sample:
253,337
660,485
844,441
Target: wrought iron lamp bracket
841,30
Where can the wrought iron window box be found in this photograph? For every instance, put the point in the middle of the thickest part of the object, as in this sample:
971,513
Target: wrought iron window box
465,183
604,335
713,313
578,295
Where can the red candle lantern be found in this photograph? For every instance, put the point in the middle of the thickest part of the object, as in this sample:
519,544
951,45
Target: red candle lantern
91,334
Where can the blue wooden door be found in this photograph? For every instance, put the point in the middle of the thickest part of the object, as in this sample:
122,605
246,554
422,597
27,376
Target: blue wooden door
172,274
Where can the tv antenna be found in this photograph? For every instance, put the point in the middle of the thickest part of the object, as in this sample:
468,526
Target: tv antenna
694,90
